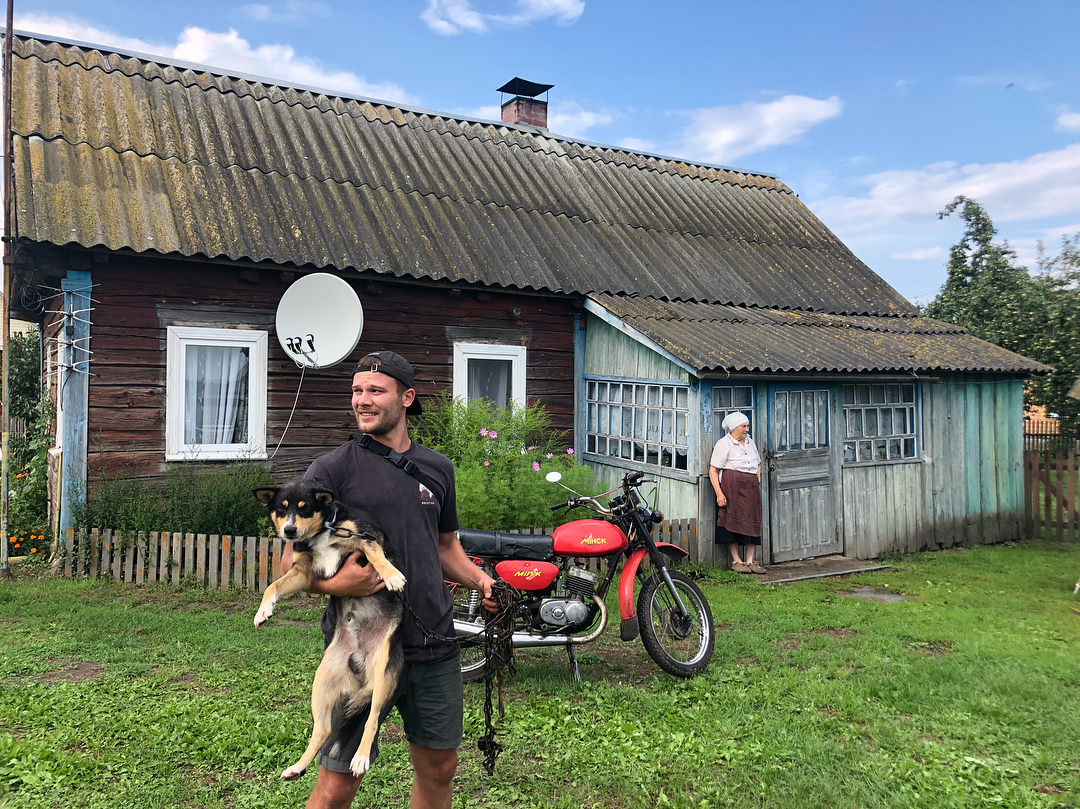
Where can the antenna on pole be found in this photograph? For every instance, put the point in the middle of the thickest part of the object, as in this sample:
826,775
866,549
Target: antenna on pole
5,321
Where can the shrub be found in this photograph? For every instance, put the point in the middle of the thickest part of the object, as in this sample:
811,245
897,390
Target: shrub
500,458
193,498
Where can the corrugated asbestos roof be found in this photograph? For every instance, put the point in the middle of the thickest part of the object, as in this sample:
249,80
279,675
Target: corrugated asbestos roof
712,337
128,153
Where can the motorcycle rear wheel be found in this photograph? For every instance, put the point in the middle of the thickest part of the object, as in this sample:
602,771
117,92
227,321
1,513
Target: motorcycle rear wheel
467,607
680,646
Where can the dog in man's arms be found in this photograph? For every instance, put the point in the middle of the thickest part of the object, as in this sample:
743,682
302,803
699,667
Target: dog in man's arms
363,661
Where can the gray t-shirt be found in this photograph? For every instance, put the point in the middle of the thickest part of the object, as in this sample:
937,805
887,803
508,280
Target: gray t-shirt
412,517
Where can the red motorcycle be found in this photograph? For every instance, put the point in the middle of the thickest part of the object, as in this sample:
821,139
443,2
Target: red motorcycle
562,601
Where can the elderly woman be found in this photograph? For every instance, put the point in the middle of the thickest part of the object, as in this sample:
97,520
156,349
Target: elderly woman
735,472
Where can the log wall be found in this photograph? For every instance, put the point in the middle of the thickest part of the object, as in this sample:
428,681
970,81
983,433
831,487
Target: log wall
137,298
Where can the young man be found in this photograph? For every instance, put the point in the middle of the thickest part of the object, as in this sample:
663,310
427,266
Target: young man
419,522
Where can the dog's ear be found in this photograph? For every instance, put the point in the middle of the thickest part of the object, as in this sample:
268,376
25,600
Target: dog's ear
264,496
323,496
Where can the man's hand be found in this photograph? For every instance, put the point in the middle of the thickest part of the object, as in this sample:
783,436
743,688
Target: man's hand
354,579
484,586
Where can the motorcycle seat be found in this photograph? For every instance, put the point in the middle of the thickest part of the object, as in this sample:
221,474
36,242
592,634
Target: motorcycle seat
530,547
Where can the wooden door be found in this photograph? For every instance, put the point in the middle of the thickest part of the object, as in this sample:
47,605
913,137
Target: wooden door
803,475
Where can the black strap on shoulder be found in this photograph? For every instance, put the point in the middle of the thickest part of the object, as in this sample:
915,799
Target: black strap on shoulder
394,457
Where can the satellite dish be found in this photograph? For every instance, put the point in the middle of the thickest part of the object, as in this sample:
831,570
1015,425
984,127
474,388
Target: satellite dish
319,320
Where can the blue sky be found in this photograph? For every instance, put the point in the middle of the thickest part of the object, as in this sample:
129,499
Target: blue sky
875,113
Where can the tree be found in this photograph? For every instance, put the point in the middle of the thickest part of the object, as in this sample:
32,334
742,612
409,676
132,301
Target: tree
994,298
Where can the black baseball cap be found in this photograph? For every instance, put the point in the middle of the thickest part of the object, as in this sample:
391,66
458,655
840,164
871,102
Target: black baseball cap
393,365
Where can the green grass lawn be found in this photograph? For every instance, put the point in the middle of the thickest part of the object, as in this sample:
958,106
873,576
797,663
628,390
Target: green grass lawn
966,694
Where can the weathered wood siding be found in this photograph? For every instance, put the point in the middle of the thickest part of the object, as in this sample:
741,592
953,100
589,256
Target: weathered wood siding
137,298
968,487
611,354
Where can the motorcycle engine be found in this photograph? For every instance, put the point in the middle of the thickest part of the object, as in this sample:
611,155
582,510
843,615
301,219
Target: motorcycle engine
580,587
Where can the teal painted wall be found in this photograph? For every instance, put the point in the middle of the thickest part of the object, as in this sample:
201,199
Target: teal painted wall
967,488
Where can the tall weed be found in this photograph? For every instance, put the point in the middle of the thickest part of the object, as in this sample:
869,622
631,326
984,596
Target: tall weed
193,497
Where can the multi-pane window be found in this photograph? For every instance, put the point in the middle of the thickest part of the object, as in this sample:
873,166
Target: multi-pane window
800,420
638,422
880,423
731,399
215,393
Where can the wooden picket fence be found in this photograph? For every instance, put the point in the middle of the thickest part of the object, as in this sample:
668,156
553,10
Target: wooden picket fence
1050,490
219,561
141,557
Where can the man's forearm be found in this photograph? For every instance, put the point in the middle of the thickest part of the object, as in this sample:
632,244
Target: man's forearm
456,565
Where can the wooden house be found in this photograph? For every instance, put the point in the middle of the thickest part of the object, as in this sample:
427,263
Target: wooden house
161,209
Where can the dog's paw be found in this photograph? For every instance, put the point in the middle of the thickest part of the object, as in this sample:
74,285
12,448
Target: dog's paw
359,765
263,615
395,583
293,772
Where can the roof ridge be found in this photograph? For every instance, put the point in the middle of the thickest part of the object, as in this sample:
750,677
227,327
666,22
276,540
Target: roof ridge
669,164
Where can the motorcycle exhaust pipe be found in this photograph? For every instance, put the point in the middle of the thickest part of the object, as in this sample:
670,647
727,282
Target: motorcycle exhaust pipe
527,639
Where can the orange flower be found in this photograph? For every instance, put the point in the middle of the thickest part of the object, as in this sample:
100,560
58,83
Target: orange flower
33,550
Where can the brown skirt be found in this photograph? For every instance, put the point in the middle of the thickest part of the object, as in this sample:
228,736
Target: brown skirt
742,514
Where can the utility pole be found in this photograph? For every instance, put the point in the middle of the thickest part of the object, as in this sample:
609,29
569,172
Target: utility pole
5,322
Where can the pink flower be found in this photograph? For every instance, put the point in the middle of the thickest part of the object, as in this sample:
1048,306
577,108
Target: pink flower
569,450
487,463
549,455
493,434
483,431
536,466
531,449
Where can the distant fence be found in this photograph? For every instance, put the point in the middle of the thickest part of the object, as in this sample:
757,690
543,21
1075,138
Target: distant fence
1041,435
1050,491
220,561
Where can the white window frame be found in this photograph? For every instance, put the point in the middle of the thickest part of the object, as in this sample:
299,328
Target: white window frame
617,422
463,352
855,446
178,338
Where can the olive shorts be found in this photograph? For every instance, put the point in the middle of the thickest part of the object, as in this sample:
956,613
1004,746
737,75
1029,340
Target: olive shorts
430,699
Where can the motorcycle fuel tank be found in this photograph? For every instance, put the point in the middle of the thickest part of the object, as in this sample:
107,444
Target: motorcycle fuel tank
527,575
588,538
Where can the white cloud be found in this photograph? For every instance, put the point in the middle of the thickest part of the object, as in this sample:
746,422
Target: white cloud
289,11
921,254
448,17
721,134
638,145
571,119
1027,248
903,84
1038,186
226,50
489,112
1068,122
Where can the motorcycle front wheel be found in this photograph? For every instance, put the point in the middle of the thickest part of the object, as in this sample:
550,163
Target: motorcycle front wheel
680,645
467,607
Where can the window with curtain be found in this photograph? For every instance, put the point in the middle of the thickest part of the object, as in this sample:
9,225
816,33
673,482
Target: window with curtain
216,394
489,371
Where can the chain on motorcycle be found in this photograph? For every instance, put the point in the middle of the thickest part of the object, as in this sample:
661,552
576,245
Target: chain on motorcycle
499,654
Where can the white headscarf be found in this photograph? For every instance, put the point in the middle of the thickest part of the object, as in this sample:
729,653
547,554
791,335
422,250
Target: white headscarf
733,420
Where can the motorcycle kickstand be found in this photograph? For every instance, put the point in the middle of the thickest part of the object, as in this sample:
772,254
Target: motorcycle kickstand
572,654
